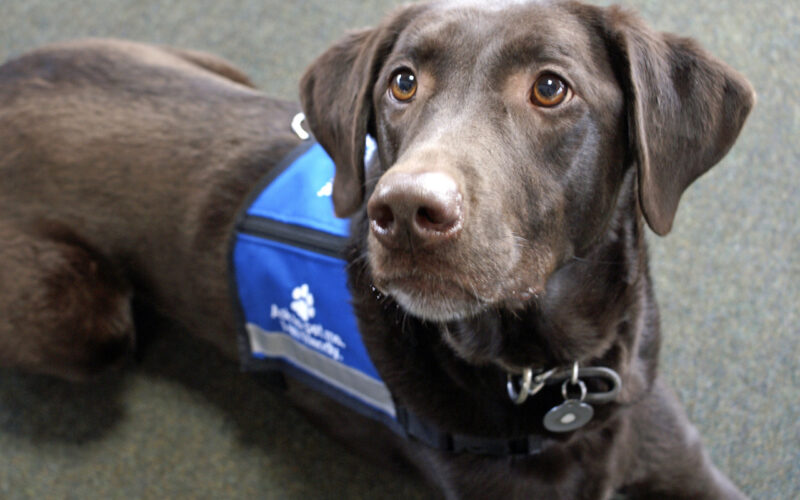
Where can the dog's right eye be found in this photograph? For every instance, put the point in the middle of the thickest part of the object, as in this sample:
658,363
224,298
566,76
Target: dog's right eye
403,85
549,90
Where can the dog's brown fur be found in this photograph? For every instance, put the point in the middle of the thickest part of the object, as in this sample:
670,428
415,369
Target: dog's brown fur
123,166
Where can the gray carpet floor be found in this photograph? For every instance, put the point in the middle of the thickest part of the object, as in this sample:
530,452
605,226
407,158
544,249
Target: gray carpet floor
181,422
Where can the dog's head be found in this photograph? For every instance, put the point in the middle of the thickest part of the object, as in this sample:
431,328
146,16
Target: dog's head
505,133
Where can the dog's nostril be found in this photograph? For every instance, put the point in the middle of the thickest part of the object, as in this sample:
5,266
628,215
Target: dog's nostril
436,218
381,216
426,215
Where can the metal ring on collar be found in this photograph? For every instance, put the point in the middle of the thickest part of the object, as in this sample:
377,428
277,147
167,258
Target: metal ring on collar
607,374
580,385
524,389
574,377
610,376
529,385
297,126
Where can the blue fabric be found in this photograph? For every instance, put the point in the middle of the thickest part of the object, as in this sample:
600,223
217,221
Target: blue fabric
301,195
293,299
301,294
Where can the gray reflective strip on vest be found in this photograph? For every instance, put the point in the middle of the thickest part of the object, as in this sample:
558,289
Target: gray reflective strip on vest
343,377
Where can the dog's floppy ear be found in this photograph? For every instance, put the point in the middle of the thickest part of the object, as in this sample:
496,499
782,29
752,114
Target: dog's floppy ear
336,96
685,110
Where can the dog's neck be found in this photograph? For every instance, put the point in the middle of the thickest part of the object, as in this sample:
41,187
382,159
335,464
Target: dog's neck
455,374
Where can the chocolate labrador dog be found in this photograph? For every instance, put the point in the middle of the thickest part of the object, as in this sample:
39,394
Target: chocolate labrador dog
497,238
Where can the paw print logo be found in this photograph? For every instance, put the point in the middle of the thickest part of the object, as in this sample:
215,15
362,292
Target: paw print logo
303,303
326,190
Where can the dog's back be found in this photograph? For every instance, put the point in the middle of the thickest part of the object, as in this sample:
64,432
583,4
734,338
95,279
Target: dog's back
122,163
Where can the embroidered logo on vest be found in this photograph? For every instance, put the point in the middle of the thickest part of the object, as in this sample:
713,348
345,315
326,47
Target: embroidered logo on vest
296,322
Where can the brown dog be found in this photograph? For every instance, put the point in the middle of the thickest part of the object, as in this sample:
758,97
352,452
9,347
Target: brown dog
520,147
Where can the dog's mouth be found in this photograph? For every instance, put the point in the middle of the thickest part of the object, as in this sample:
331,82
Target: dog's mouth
433,298
447,286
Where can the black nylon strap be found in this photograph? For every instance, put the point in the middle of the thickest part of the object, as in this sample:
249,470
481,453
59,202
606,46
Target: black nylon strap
426,433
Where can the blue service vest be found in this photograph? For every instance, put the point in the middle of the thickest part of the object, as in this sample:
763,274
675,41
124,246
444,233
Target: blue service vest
290,285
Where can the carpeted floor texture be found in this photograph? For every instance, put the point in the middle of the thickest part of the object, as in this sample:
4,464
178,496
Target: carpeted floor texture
182,422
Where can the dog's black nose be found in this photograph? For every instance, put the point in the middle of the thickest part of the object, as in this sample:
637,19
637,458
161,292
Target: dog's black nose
419,209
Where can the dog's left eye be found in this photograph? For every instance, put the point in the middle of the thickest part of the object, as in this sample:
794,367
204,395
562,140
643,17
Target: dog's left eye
403,85
549,90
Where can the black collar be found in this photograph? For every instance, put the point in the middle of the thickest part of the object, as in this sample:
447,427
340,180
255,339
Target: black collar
417,428
421,430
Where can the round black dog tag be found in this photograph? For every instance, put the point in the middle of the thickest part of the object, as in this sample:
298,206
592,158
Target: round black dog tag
568,416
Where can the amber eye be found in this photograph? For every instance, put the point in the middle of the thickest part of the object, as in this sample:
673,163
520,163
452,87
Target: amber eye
403,85
549,90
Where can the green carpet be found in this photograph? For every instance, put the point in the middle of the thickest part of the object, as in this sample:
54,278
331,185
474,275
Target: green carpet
183,423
